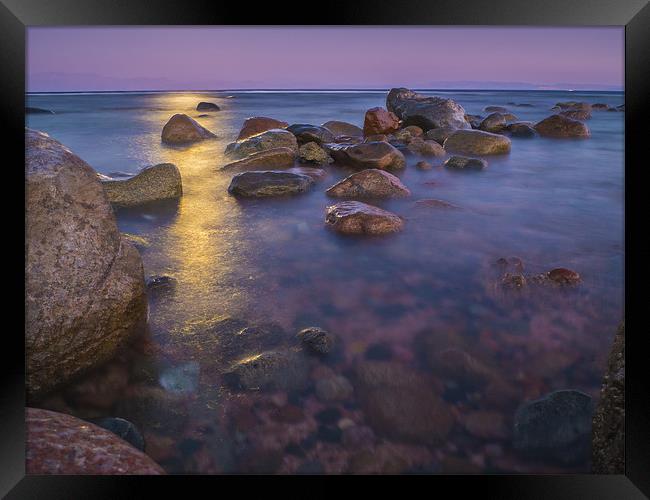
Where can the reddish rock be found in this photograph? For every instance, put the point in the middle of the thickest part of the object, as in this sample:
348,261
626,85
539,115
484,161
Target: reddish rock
376,154
401,404
339,128
380,121
354,217
425,148
257,125
62,444
181,129
564,276
370,183
559,126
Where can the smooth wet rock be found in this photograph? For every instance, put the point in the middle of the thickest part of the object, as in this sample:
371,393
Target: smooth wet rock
339,128
336,388
376,154
311,152
400,403
440,134
310,133
354,217
258,184
425,148
380,121
121,428
258,124
273,370
207,106
181,129
85,295
465,163
556,427
608,432
424,111
559,126
315,173
477,142
495,109
155,183
270,139
266,159
494,122
370,183
423,165
521,130
316,339
577,114
510,117
62,444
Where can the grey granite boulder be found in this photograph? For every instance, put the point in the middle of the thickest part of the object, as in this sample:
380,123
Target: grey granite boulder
155,183
424,111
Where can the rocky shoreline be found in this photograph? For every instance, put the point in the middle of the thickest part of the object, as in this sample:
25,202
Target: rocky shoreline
87,303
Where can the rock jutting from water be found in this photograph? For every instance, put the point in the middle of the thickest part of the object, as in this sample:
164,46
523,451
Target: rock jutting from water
270,139
424,111
85,294
495,109
465,163
370,183
556,427
312,153
354,217
310,133
376,154
339,128
380,121
181,129
268,159
494,123
266,183
477,142
608,432
577,114
258,124
155,183
207,106
440,134
426,148
62,444
519,129
558,126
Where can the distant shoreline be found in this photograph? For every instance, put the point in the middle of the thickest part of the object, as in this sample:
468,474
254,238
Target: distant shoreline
331,91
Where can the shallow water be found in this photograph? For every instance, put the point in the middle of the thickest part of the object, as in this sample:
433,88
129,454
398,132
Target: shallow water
552,203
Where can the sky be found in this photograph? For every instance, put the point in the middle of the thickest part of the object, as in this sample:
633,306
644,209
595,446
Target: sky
63,59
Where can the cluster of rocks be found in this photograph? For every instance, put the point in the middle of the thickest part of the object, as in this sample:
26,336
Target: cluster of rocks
513,276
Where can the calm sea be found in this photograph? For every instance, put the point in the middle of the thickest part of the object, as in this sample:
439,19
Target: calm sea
551,203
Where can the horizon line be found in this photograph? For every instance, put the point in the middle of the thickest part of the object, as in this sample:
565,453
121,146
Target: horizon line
466,89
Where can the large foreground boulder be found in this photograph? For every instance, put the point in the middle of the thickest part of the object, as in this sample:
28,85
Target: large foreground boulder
258,124
266,159
477,142
560,126
371,183
259,184
354,217
181,129
608,432
85,294
425,112
271,139
375,154
156,183
62,444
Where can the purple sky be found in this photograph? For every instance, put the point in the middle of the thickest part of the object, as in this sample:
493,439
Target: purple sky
201,58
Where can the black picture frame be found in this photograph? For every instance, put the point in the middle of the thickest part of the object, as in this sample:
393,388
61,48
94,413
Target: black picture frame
16,15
